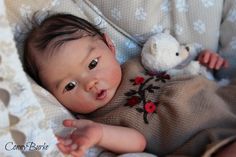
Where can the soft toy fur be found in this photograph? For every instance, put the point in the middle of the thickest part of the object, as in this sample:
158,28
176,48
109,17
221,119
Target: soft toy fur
162,52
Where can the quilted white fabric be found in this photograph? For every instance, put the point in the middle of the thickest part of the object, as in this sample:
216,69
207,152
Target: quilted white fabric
23,129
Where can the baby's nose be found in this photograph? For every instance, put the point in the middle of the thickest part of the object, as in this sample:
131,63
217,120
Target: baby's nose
91,84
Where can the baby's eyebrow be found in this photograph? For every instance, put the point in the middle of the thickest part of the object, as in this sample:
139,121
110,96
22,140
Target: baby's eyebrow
89,53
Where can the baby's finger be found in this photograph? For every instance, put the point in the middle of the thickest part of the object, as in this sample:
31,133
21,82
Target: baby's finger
64,140
74,147
76,123
200,58
219,63
213,61
64,149
205,57
79,152
67,142
59,139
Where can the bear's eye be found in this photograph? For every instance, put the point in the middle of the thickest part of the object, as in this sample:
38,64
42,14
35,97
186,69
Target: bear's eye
187,48
177,54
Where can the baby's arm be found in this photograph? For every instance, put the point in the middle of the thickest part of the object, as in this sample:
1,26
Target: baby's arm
228,151
212,60
88,133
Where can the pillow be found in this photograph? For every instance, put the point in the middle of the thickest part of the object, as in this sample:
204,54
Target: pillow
209,24
126,46
228,39
189,21
18,12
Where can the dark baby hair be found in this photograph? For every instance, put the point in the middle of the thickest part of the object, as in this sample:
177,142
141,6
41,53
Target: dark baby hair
53,31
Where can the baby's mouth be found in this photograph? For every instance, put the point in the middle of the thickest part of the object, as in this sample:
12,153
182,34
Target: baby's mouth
101,94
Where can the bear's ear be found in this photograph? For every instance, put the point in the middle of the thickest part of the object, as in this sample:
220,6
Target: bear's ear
153,48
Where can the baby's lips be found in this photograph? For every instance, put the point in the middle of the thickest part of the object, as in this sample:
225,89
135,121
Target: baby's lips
101,94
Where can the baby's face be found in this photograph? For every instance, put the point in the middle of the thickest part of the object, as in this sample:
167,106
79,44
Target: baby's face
82,74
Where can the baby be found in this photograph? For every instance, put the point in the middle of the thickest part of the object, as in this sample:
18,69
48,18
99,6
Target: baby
129,110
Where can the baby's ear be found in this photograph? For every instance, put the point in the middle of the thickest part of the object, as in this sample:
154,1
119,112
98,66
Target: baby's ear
109,43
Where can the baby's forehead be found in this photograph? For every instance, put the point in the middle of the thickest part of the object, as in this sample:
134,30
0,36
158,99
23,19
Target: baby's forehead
55,46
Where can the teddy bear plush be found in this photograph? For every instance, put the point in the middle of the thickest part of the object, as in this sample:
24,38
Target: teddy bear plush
163,53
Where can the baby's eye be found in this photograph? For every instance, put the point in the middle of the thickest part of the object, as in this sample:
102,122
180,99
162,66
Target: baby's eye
93,63
71,85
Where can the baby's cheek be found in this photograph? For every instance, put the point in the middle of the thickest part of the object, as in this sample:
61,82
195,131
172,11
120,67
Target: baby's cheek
70,99
115,74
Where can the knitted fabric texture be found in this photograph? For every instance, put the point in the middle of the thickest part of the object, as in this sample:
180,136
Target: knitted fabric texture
180,116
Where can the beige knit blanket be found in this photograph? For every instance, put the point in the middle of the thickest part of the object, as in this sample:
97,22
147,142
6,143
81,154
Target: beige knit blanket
181,116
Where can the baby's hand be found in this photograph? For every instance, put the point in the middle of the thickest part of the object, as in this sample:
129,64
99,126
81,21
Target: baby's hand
86,135
212,60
